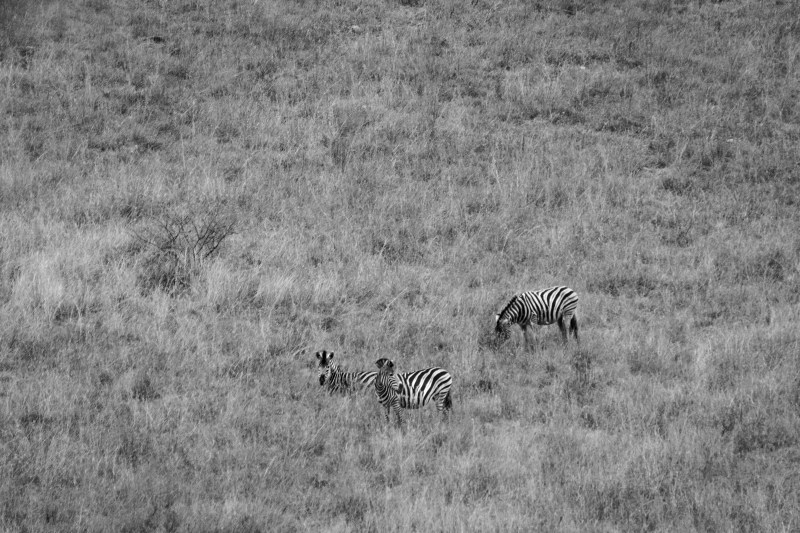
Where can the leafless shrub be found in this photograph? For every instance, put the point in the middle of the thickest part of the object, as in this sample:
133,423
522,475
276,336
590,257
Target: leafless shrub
179,245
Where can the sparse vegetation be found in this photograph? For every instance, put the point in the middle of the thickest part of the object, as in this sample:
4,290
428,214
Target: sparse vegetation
196,195
178,247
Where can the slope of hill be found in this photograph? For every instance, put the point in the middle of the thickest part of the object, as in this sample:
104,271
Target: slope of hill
197,195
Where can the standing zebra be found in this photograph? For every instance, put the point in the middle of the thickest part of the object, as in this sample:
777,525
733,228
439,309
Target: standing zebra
543,307
337,379
412,390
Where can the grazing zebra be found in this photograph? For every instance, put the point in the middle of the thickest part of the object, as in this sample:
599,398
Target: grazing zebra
337,379
412,390
543,307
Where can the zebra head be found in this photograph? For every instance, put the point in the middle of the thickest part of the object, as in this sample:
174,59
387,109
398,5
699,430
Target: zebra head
501,326
325,365
385,366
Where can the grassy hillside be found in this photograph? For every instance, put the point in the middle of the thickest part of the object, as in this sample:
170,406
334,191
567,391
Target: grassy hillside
197,195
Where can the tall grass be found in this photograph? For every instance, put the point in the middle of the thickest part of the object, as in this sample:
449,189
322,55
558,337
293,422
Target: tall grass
377,179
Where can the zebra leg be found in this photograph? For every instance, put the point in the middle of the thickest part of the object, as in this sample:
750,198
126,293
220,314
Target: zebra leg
527,334
444,403
396,407
573,326
563,329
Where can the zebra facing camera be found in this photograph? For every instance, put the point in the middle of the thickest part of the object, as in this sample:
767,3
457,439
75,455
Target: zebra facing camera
383,362
324,357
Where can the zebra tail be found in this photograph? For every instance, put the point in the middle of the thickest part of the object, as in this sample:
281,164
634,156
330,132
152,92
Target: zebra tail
448,401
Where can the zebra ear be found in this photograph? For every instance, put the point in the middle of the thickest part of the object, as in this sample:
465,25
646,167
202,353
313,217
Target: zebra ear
496,319
330,356
379,362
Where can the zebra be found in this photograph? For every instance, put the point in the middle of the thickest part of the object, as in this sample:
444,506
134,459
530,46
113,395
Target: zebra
542,307
412,390
337,379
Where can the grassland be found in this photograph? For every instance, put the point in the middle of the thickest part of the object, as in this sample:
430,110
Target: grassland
196,195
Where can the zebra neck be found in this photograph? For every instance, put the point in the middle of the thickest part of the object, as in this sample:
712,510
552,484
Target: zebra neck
391,382
510,317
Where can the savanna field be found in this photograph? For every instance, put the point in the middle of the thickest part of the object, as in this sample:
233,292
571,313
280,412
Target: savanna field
198,195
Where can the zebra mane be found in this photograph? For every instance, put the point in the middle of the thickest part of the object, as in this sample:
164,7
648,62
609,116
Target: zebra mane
502,314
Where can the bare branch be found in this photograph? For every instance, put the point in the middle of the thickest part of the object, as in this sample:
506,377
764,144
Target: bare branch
187,241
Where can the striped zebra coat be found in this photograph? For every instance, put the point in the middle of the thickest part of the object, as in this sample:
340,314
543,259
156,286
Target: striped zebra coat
542,307
412,390
337,380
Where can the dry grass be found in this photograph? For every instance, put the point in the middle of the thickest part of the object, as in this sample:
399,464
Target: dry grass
377,179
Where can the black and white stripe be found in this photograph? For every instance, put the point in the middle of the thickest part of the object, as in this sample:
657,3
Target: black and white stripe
337,380
543,307
412,390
